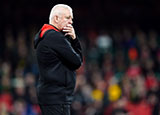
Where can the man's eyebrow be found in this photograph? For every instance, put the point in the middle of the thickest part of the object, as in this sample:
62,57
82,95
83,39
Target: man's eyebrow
69,17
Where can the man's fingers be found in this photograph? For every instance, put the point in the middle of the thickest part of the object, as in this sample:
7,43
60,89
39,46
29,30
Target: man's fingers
71,34
69,30
64,30
67,34
69,25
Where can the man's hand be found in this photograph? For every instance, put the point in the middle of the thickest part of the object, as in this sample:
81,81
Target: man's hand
69,30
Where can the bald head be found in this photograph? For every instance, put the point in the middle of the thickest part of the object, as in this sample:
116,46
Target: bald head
59,10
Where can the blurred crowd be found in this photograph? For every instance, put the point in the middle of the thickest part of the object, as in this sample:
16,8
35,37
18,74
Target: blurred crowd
120,74
18,75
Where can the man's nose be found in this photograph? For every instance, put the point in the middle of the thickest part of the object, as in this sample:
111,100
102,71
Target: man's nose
71,21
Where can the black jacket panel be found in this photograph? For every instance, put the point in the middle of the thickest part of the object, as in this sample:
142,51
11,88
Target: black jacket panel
58,57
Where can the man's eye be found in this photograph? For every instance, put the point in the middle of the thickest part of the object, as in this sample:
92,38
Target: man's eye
68,17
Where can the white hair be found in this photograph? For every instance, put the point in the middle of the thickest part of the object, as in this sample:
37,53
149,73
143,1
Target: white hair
56,10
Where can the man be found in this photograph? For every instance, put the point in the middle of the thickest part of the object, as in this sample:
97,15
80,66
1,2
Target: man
58,54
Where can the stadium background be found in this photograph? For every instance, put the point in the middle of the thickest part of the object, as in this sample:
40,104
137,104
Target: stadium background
121,46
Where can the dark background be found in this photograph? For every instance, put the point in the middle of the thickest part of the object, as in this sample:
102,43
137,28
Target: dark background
87,13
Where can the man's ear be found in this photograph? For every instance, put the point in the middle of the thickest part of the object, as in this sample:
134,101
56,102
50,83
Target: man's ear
56,18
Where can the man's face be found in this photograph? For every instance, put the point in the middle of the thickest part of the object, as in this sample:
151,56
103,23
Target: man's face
65,19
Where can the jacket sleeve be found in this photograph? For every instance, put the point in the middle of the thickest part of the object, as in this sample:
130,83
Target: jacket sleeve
69,53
